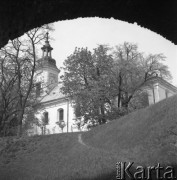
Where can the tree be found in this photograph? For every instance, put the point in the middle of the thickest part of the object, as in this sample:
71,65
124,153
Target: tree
7,97
18,65
61,124
84,82
133,72
105,84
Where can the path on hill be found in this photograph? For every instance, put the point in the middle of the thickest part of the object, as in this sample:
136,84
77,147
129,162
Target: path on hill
81,141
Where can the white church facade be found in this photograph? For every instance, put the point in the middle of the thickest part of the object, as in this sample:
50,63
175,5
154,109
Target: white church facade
57,109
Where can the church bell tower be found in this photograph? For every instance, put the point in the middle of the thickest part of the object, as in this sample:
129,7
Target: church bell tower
47,71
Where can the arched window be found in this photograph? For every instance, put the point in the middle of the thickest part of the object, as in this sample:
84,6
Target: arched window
60,114
46,118
38,89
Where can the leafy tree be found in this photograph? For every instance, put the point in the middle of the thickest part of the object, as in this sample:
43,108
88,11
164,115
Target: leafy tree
61,124
108,84
18,65
134,71
84,82
44,122
7,97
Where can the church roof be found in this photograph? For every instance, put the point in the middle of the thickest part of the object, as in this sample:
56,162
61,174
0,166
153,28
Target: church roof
164,83
55,94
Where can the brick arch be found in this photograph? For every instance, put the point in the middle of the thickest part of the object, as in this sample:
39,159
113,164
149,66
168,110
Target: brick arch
17,17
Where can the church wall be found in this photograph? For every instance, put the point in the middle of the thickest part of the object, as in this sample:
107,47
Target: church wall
150,96
53,109
43,76
160,92
153,93
165,92
53,116
156,92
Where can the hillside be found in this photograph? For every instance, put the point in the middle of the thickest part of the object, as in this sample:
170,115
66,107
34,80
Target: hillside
148,135
54,157
145,137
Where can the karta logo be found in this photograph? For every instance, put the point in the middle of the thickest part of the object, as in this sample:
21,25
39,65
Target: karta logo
159,172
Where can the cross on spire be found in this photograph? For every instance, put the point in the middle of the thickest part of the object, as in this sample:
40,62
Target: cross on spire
47,48
47,36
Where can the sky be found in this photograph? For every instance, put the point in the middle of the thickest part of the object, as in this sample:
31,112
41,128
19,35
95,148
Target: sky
89,32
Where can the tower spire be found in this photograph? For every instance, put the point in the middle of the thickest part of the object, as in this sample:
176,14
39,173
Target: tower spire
47,48
47,36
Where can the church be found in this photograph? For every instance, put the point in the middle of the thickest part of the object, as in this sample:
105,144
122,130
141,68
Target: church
56,108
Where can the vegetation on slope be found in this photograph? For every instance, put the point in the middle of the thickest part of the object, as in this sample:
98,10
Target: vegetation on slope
54,157
111,77
147,136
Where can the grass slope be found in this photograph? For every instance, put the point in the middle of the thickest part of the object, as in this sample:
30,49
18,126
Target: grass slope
146,136
54,157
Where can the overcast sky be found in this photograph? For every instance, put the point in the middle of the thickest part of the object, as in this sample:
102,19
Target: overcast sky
89,32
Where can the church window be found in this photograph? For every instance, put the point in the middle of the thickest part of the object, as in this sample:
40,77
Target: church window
61,114
46,118
38,89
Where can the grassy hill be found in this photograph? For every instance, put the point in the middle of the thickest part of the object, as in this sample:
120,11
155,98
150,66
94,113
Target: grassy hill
147,136
54,157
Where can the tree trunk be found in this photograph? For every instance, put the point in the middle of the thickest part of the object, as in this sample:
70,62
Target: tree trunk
103,120
127,100
119,94
44,129
20,118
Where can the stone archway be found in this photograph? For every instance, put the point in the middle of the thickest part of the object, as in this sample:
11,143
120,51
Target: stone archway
17,17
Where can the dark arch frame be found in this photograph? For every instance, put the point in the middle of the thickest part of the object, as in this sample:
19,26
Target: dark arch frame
17,17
